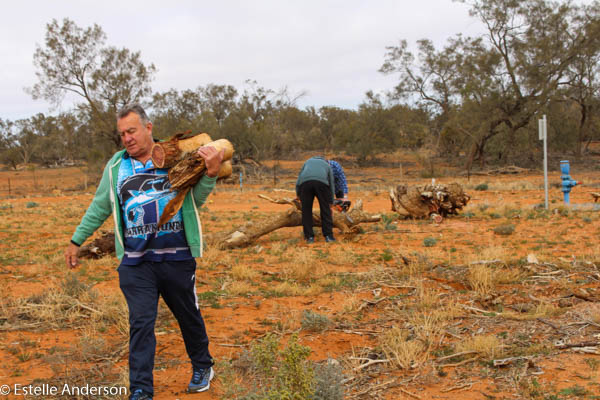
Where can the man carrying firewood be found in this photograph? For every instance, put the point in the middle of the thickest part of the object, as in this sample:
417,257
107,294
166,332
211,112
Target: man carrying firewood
154,260
316,180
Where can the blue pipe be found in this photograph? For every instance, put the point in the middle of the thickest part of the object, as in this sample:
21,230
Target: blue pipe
567,182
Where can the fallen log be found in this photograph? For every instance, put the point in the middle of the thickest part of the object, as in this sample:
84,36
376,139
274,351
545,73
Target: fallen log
430,200
246,234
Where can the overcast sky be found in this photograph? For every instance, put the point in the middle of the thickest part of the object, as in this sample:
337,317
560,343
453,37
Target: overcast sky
330,49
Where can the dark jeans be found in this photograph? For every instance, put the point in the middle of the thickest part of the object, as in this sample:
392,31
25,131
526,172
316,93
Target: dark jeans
307,191
175,282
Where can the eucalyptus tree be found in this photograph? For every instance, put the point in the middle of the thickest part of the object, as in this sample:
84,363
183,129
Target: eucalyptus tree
497,83
75,61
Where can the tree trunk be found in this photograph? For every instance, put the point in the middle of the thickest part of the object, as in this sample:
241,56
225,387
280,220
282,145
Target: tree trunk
246,234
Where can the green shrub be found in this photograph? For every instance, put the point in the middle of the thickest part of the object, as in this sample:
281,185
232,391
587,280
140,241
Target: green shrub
315,322
482,187
506,229
31,204
429,241
387,255
281,374
329,382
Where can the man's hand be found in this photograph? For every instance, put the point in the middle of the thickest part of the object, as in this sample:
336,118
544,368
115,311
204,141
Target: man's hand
71,255
212,159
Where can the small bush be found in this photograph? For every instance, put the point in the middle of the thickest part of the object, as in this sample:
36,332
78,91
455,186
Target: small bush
315,322
482,187
31,204
429,241
280,374
328,381
507,229
387,255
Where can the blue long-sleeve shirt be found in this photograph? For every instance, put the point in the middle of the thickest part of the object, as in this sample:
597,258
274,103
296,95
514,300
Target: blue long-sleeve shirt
339,178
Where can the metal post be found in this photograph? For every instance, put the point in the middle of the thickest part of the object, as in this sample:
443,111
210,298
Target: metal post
9,191
543,135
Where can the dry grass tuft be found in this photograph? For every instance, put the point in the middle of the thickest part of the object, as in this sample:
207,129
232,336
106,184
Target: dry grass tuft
351,304
240,288
304,266
288,289
402,352
426,298
428,326
243,272
342,256
509,275
482,279
488,346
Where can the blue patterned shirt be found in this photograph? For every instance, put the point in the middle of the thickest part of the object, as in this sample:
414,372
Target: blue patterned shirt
341,187
143,192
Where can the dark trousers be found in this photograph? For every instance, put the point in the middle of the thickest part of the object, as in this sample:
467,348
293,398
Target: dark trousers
175,282
307,191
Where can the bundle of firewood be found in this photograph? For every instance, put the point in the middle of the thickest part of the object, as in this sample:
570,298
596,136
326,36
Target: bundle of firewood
429,200
186,167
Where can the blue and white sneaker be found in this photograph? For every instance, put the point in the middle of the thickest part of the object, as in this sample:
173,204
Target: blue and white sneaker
139,394
201,380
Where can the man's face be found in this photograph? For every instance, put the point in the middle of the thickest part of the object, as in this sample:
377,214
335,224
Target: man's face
136,137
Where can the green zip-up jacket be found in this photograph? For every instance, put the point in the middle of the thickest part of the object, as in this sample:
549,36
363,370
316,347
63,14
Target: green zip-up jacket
106,202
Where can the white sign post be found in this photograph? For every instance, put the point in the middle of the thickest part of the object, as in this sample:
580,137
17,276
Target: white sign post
543,135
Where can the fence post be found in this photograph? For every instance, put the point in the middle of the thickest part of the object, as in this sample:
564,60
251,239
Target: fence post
9,192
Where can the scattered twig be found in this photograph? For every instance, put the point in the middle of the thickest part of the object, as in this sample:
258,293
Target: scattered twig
586,350
370,362
463,362
505,361
409,393
395,286
367,303
461,387
359,332
485,262
372,388
550,324
584,297
582,344
80,304
479,310
462,353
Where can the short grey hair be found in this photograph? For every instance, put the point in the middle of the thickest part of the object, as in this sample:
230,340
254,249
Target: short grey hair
133,108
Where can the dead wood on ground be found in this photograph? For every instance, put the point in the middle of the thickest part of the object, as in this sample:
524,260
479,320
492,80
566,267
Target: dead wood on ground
246,234
429,200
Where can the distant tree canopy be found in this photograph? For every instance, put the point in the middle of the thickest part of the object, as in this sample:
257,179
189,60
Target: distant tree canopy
476,96
487,91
